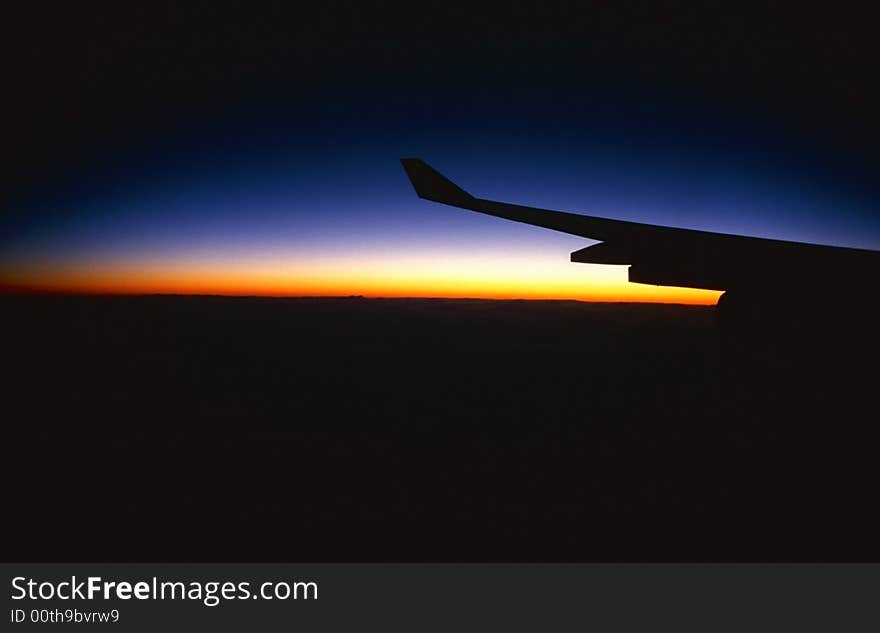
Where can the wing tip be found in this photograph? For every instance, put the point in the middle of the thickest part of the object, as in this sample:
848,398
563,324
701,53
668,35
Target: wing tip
430,184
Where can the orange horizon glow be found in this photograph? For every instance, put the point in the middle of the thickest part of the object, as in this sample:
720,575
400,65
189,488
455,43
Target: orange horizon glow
683,298
471,277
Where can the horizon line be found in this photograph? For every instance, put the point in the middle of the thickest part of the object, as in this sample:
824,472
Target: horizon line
85,293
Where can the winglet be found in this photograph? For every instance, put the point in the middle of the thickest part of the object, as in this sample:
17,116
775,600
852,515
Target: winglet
432,185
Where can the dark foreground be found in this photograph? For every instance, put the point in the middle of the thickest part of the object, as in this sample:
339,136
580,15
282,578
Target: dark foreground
198,428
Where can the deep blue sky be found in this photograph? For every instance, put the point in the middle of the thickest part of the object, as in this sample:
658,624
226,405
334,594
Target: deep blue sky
290,163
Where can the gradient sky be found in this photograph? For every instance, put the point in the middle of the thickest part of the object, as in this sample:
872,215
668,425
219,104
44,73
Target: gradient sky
300,192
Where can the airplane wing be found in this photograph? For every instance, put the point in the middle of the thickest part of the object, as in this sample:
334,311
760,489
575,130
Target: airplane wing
669,256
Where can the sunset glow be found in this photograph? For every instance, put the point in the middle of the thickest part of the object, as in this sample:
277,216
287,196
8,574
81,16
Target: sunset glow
406,275
276,204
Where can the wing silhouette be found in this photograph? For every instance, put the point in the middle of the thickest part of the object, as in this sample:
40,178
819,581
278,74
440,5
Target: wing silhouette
669,256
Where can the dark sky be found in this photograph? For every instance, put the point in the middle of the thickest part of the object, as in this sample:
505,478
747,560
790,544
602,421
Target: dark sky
214,130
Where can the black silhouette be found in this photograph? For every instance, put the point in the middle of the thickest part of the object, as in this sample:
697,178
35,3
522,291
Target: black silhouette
762,278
